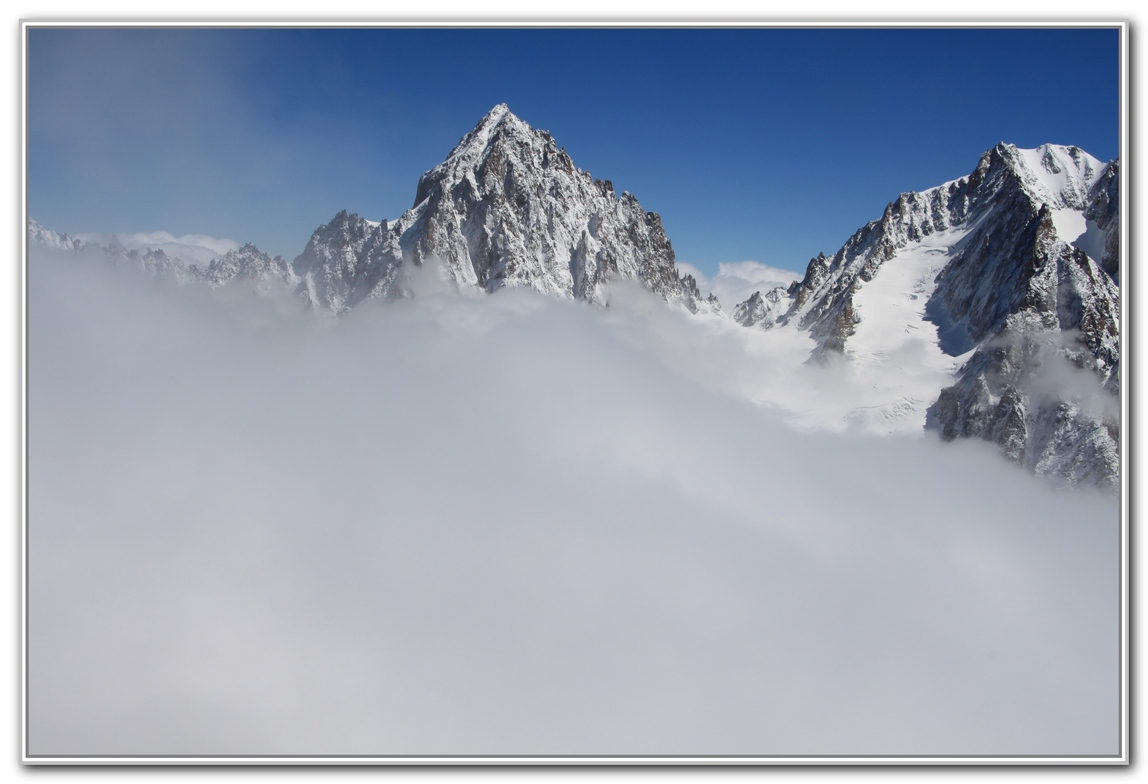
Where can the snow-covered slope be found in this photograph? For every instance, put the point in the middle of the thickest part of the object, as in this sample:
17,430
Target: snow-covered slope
960,299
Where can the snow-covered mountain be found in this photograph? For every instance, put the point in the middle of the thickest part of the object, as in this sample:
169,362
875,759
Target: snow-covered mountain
997,294
506,208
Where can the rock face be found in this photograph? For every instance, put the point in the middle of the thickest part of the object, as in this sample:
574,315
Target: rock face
1015,269
347,261
1043,381
506,208
1104,211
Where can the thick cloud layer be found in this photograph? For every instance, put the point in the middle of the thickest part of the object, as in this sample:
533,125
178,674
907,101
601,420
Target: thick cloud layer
517,525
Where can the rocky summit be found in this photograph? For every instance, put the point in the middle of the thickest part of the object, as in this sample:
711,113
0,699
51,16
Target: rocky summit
507,208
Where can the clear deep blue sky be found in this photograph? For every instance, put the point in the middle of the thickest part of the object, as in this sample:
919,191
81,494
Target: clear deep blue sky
770,145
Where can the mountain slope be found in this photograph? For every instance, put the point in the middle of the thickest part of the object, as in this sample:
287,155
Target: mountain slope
987,279
347,261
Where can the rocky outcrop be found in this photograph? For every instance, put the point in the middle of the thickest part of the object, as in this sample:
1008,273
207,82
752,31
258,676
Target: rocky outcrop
761,309
251,267
347,261
1043,383
1026,393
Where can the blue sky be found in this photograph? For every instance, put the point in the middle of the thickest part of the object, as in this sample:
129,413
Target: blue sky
770,145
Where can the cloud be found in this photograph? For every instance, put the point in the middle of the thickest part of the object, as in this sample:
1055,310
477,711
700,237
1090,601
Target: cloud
737,281
197,248
771,368
518,525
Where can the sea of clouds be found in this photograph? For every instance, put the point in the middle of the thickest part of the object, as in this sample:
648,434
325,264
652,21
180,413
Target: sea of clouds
517,525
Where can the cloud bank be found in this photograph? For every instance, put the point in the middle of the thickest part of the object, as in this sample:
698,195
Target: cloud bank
518,525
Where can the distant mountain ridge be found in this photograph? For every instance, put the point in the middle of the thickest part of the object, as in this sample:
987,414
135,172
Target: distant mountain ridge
152,261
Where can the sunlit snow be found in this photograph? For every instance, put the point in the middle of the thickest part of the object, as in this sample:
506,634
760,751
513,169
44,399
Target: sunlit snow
895,359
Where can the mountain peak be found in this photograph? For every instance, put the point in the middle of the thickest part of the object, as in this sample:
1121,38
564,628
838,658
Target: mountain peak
498,121
509,208
1062,177
498,129
491,122
497,113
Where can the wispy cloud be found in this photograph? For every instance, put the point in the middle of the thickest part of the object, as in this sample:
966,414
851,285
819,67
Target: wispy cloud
737,281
